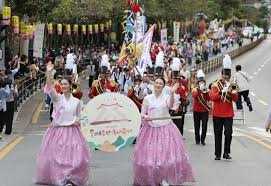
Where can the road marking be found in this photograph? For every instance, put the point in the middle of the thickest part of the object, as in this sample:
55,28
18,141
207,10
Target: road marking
263,102
9,147
255,138
45,126
259,141
36,115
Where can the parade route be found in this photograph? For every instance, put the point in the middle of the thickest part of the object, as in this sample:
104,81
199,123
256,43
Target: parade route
251,145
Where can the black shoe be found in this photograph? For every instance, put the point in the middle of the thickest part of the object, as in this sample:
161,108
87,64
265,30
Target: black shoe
217,158
203,143
227,157
250,108
197,142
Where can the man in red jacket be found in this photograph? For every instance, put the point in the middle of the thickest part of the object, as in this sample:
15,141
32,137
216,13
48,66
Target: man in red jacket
201,107
102,84
182,93
223,94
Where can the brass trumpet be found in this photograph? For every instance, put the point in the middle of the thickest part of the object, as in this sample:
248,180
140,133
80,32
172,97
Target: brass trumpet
233,86
75,88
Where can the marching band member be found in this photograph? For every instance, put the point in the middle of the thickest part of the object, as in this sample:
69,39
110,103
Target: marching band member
201,108
103,84
177,111
160,156
136,92
183,91
150,81
223,93
64,155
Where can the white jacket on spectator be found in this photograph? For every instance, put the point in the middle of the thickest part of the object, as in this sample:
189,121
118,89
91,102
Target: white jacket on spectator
70,61
105,61
242,80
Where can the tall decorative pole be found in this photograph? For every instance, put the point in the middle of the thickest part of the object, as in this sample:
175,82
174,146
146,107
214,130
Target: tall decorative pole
2,55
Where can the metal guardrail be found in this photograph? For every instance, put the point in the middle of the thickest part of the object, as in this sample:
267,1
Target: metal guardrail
217,62
27,86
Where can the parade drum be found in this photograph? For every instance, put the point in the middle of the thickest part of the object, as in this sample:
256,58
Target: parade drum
110,122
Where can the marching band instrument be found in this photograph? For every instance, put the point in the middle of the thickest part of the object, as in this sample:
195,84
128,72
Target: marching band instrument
164,118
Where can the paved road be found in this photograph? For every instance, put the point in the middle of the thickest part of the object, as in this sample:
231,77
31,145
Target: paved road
251,146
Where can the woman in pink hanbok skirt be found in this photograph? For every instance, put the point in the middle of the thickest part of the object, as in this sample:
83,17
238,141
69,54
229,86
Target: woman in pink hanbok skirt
160,157
64,156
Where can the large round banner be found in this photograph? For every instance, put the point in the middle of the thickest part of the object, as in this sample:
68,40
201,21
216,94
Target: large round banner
110,122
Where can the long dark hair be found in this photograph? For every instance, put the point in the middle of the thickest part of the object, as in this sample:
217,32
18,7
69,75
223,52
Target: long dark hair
161,78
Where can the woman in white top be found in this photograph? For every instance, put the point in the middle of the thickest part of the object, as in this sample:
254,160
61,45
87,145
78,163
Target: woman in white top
64,156
160,156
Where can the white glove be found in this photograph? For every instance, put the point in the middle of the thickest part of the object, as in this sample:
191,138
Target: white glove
225,89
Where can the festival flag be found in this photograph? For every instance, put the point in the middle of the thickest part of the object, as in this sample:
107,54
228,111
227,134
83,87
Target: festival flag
96,27
146,58
102,27
84,30
68,29
59,29
75,29
6,12
15,24
50,28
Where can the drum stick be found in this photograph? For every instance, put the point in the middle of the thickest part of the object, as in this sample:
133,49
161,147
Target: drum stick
109,121
165,118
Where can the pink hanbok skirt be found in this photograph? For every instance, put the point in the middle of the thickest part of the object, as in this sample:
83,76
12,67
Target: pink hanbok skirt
160,155
63,156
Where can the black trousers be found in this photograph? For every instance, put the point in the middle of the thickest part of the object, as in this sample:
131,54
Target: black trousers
51,111
178,122
90,81
2,120
7,118
239,103
198,118
219,124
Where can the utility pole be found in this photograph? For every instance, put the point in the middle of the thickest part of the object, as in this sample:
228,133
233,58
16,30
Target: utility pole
2,47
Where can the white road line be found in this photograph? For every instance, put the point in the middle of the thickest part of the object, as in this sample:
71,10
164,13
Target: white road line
263,102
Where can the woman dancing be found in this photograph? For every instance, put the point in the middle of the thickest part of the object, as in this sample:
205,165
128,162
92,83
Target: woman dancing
160,157
64,156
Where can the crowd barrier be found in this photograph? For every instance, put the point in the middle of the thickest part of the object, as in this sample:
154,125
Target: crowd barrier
27,86
217,62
